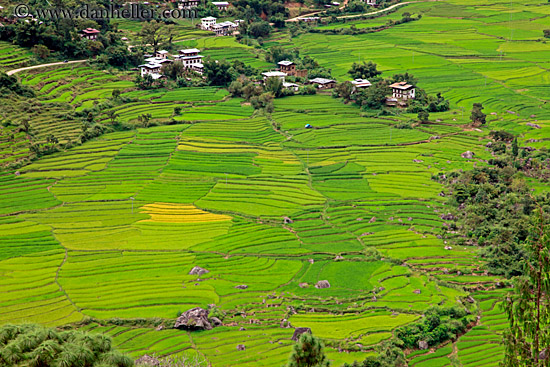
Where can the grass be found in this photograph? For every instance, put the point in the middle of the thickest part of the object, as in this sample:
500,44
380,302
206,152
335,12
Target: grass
111,228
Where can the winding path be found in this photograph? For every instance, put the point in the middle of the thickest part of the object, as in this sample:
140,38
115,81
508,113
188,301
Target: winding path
295,19
11,72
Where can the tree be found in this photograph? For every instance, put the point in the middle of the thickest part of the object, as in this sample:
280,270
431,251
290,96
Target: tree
151,34
112,116
259,29
373,97
546,33
423,116
477,116
308,352
36,346
218,72
144,119
527,307
344,90
364,70
41,51
173,70
275,86
115,93
515,148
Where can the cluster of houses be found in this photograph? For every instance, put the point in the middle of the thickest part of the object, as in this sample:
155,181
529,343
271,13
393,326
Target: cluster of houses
220,29
190,4
401,91
190,58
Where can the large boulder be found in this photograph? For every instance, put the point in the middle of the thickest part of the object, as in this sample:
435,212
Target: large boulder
468,155
322,284
193,319
422,344
197,270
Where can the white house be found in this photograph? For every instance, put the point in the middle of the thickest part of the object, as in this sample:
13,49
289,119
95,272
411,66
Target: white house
188,4
291,86
221,5
224,28
274,74
152,69
191,59
161,54
403,91
323,83
360,84
207,23
370,2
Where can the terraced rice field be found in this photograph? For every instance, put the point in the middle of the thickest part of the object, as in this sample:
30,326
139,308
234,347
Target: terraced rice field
12,56
110,229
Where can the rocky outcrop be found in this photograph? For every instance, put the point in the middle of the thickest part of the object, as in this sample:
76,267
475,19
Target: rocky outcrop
322,284
147,361
299,331
197,270
193,319
468,155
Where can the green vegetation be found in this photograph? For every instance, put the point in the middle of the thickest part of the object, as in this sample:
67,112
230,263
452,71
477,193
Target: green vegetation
33,345
110,193
308,352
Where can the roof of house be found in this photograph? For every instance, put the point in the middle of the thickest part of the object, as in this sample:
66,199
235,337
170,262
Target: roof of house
322,81
220,3
401,85
198,65
150,66
189,57
289,85
208,18
359,83
162,52
269,74
227,24
285,63
90,31
190,51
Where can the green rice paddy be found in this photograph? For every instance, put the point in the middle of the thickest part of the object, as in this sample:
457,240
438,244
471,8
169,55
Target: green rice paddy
110,229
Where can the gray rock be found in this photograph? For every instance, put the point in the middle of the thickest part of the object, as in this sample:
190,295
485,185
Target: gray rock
216,322
468,155
533,125
303,285
241,286
322,284
299,331
422,344
197,270
417,291
241,347
287,220
372,220
193,319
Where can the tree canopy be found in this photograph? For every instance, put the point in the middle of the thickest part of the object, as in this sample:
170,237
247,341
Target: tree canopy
37,346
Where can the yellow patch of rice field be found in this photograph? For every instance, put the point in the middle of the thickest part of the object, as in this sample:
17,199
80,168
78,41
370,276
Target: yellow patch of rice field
180,213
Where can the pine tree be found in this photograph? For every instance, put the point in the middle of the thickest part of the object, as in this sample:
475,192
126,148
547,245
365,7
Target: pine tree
528,305
308,352
515,149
